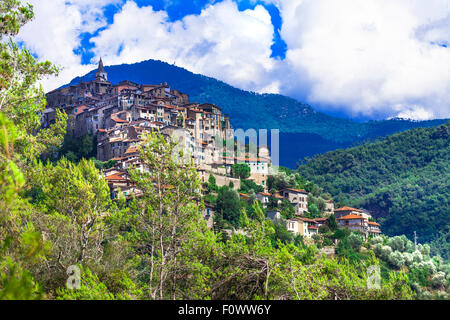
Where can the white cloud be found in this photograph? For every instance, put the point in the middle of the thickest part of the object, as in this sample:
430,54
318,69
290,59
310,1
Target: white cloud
413,112
370,57
55,32
221,42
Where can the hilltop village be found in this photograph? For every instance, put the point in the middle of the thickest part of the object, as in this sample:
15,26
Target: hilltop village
118,116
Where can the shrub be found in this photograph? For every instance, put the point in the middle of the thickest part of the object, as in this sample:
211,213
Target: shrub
438,280
396,259
400,243
241,171
355,240
382,252
417,257
424,249
324,229
341,233
408,258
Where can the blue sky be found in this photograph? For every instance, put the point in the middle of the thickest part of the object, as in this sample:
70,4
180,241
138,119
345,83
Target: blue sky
367,59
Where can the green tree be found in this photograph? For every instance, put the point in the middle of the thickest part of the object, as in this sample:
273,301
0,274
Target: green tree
212,186
355,241
228,204
313,211
241,171
248,185
332,223
168,220
20,243
22,102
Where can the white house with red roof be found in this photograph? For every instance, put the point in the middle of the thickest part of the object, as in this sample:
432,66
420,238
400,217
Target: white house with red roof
359,223
302,226
263,197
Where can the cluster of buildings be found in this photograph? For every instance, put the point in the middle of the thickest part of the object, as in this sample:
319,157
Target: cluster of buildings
118,115
348,218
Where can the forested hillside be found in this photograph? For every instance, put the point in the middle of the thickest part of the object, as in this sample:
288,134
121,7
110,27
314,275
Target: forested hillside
297,121
405,179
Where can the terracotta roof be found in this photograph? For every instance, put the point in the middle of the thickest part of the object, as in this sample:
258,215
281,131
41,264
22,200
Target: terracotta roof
115,176
265,194
305,219
295,190
247,159
348,209
351,217
119,159
131,149
373,223
115,118
80,109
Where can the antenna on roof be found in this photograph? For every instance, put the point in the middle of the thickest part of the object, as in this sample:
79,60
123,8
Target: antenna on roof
415,241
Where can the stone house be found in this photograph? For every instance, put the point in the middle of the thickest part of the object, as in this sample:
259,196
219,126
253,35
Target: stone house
298,198
329,207
274,215
373,229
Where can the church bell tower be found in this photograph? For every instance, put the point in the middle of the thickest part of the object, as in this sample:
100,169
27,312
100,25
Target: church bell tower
101,75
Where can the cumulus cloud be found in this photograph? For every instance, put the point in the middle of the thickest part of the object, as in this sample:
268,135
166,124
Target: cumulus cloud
370,57
56,30
222,42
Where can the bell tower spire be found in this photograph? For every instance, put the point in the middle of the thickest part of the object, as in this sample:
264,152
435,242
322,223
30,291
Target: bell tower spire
101,75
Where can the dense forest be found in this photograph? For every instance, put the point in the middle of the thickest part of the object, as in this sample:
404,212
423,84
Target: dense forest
403,179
